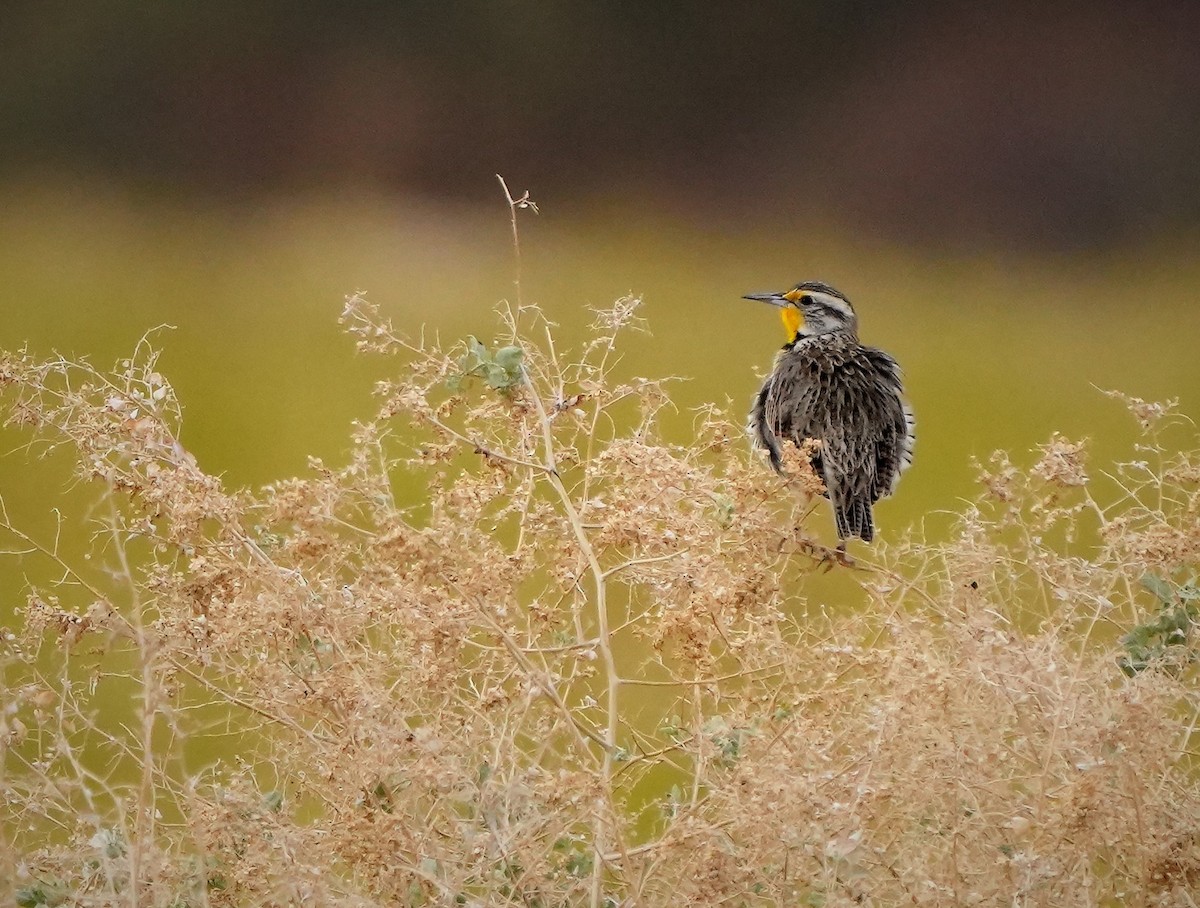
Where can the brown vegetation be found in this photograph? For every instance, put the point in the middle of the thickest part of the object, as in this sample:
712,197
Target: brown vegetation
580,668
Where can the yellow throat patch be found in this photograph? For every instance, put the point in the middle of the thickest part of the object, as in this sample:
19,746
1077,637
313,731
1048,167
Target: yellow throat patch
793,320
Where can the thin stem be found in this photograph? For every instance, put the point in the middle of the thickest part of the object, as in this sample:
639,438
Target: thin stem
581,731
145,812
513,204
483,449
603,637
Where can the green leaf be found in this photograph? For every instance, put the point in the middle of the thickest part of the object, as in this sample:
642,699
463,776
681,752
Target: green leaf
109,843
1168,633
501,371
725,510
476,347
579,864
476,359
1163,591
510,359
498,377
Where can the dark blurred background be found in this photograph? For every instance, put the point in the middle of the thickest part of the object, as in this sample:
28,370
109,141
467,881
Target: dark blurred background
1009,193
1033,123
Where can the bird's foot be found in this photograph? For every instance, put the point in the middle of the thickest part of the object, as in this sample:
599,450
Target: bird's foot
843,557
830,557
826,557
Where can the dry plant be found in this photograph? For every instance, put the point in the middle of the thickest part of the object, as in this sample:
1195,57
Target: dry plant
520,650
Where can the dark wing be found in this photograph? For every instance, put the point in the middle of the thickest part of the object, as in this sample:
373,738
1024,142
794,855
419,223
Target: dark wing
785,408
867,438
893,447
764,429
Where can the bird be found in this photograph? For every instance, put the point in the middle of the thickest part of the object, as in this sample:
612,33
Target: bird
848,397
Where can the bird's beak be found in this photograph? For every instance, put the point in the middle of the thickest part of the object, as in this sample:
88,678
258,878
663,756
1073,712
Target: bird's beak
775,299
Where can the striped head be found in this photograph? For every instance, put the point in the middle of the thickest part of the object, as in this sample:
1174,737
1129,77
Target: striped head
811,309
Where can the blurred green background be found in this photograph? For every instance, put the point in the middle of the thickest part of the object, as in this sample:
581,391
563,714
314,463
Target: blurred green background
1008,193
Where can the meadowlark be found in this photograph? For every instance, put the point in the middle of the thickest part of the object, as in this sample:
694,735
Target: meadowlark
828,387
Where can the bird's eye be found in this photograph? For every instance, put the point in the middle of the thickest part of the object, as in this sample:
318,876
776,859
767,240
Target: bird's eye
804,301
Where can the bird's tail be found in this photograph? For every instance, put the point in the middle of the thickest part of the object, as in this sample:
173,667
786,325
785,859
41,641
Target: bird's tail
854,519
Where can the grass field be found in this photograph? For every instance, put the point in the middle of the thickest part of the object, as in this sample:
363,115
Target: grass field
999,349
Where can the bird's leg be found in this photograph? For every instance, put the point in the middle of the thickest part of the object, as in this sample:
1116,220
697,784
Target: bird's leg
841,556
826,557
830,557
